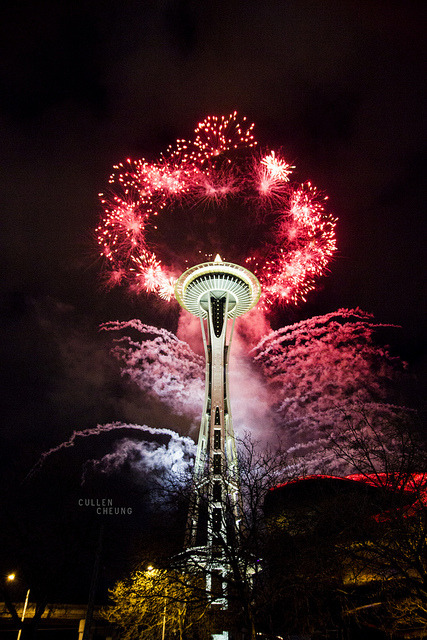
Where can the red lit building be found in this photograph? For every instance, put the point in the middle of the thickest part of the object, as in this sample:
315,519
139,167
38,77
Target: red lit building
354,551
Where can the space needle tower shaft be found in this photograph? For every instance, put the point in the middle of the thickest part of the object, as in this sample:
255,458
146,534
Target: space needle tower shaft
217,292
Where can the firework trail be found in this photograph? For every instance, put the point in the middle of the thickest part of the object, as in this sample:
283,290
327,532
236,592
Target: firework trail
298,387
323,372
161,365
186,444
166,368
172,460
223,184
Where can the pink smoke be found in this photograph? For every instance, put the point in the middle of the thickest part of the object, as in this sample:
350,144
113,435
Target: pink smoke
321,372
162,366
298,386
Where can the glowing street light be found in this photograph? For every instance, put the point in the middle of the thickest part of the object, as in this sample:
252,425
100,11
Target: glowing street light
11,577
151,570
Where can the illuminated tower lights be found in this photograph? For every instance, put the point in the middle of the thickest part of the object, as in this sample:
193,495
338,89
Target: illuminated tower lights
217,292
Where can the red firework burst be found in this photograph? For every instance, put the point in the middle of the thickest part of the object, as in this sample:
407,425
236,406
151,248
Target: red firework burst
154,214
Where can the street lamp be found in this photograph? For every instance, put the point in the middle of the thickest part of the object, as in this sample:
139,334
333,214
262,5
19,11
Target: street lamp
152,570
10,578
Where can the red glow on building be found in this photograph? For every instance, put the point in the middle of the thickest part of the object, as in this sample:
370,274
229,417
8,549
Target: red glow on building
407,493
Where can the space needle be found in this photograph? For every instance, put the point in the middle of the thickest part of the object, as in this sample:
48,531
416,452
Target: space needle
217,292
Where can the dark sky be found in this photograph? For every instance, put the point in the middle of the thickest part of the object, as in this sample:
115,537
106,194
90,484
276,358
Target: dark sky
337,85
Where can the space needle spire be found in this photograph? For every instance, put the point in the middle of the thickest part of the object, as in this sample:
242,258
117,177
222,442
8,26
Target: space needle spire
217,292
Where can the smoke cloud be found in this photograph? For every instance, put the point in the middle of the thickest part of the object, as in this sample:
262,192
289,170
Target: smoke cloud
322,373
251,398
170,456
162,366
298,387
147,460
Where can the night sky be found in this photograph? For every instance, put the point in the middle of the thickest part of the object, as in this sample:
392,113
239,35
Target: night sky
337,85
